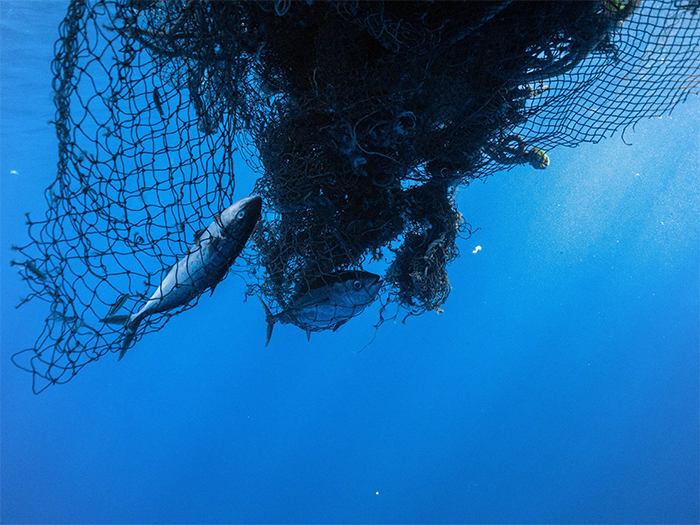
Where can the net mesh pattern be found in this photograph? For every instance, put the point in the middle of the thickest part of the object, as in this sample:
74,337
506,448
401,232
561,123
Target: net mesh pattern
360,120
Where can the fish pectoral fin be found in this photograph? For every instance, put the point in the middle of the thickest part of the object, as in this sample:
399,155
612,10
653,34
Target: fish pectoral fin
213,245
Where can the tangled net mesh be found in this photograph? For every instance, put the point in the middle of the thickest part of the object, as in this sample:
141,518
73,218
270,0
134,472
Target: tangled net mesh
360,119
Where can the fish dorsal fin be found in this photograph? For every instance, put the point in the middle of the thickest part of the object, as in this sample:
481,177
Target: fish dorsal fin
329,279
319,282
170,270
198,234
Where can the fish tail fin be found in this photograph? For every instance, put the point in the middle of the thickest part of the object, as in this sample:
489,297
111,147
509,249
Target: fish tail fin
128,337
270,318
130,329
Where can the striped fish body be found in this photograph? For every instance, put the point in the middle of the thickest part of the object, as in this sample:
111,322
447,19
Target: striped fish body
329,303
204,265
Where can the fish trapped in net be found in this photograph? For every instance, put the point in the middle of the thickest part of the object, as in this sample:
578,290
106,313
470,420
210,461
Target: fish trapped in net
328,302
360,120
203,267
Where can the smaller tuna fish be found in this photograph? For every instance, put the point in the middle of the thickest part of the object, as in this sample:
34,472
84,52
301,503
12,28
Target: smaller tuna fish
327,303
203,267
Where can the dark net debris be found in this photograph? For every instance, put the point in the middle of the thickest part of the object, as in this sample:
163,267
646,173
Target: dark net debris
360,119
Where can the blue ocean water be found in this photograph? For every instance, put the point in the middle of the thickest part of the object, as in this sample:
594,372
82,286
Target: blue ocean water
559,385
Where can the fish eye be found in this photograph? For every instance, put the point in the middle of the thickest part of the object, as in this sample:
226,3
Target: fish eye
240,214
356,285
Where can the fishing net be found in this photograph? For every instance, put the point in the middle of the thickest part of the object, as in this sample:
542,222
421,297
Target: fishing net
360,120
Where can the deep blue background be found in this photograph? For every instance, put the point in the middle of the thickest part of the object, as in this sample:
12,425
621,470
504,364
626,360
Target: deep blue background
560,385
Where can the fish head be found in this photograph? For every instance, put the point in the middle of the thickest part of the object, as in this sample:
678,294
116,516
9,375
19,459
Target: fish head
361,288
239,219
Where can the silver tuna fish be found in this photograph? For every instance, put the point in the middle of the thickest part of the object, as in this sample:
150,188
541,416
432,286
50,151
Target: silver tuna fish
327,303
203,267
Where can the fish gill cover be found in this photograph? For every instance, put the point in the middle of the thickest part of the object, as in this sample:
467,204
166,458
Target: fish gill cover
360,118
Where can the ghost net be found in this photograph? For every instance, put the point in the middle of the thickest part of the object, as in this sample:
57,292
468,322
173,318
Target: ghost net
360,119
